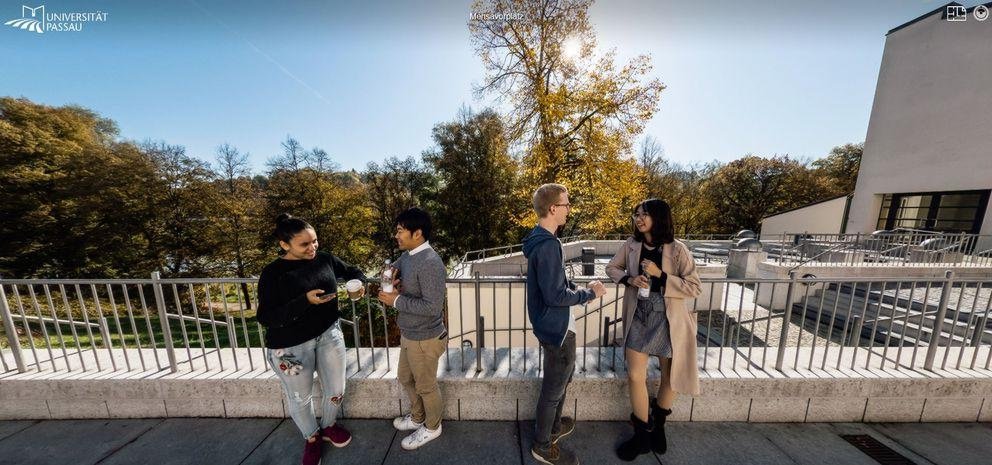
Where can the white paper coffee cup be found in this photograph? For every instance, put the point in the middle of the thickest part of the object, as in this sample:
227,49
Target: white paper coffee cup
353,286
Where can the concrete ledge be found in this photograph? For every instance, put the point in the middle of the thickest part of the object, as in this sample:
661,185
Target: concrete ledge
894,409
778,409
986,413
137,408
497,408
836,409
195,407
78,408
30,409
353,407
720,408
254,407
950,409
503,390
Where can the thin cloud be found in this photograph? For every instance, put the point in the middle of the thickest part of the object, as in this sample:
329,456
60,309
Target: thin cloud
262,53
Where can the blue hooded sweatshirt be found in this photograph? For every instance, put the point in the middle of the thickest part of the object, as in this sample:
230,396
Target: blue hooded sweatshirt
549,294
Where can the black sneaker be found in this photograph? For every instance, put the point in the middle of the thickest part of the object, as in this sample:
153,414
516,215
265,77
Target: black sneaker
566,428
554,455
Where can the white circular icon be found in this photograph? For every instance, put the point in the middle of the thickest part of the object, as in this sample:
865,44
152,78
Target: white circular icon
981,12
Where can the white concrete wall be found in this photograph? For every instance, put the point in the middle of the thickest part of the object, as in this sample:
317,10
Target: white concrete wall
502,306
929,126
823,217
774,297
510,393
515,264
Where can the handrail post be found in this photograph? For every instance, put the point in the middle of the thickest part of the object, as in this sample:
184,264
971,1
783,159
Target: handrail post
786,317
938,322
603,347
163,317
11,332
480,337
781,249
854,338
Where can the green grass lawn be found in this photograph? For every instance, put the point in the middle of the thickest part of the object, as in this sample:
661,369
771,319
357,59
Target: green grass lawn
147,331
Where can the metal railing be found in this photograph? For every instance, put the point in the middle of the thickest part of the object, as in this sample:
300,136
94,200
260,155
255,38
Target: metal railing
706,249
801,323
481,254
891,248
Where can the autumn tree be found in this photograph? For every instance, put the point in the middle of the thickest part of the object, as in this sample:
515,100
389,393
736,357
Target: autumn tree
477,198
394,186
305,184
750,188
238,221
572,115
184,198
70,195
681,186
840,168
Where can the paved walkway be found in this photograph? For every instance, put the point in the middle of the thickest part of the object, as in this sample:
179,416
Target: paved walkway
274,441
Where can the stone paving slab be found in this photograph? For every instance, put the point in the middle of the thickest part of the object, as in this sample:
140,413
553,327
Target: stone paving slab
70,441
892,443
180,441
369,445
813,444
271,441
720,444
8,428
944,443
470,442
594,442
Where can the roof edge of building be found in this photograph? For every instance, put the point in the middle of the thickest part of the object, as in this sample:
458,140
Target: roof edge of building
807,205
940,9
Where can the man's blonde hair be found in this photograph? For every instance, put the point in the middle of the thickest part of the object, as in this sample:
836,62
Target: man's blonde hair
546,196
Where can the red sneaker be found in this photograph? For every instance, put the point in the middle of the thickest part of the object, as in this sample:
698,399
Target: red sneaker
311,452
336,435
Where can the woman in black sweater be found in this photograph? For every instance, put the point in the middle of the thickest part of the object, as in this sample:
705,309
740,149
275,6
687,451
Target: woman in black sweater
298,306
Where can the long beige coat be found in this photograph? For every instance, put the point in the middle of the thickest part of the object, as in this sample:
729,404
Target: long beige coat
682,284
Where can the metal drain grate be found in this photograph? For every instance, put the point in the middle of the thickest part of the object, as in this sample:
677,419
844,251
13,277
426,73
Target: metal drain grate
876,450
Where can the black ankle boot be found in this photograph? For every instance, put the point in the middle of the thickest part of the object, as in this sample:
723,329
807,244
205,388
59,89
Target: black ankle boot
640,443
659,443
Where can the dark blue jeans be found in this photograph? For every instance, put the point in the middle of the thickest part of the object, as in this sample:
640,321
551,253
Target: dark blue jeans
559,363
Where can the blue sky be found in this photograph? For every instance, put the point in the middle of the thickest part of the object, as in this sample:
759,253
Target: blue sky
368,80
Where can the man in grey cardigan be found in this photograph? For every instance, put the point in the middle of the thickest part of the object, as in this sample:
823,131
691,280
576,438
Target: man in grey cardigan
419,283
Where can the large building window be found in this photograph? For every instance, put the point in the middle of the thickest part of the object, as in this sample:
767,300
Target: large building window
953,212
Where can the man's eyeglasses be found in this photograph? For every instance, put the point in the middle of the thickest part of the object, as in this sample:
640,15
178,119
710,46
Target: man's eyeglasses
568,205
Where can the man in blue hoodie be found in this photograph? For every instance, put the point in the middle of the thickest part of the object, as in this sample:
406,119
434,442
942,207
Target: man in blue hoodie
549,298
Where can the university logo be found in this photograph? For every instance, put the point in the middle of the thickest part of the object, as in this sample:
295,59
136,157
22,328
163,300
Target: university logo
36,19
32,19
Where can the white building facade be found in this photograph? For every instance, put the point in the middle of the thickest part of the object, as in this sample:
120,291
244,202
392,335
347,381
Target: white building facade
927,160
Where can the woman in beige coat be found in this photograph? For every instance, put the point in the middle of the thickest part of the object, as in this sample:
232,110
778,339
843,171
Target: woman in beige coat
660,277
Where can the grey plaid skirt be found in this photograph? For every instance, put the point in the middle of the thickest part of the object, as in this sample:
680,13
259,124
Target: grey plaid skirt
649,333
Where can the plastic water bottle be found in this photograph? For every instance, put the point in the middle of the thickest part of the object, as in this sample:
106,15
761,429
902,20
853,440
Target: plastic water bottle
387,277
644,292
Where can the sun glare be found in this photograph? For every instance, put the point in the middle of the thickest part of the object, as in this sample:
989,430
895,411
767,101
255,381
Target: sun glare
571,48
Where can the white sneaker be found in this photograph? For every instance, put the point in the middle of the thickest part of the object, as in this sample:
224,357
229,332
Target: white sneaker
420,437
406,423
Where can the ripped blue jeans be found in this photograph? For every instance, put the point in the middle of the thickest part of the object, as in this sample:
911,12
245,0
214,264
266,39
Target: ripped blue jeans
295,366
